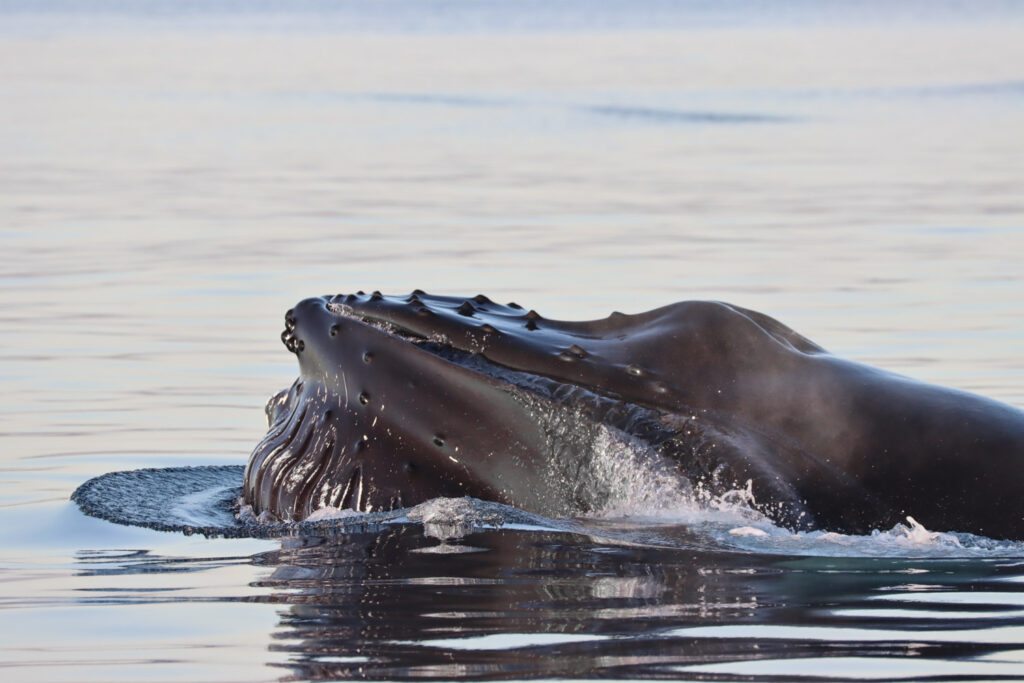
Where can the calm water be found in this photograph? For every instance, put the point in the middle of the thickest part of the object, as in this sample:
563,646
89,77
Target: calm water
174,176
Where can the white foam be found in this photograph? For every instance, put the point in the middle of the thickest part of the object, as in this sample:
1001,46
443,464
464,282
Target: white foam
453,518
903,540
328,512
246,515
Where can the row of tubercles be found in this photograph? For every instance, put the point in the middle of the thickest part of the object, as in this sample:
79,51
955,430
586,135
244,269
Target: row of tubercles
291,342
468,309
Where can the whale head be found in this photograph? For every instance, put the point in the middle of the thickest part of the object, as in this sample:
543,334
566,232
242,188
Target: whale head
396,404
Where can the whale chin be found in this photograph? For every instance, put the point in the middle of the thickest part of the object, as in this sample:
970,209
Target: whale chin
309,460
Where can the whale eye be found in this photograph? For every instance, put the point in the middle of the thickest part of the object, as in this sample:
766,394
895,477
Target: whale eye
300,346
334,330
635,370
439,440
367,357
364,398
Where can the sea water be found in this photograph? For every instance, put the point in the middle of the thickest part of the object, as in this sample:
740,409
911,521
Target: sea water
174,176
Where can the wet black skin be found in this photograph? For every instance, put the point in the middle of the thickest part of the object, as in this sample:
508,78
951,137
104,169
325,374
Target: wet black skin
405,398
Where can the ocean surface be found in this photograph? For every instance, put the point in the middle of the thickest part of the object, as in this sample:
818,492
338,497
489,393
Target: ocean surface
176,175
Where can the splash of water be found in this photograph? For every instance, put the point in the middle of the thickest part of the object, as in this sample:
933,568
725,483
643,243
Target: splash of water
646,510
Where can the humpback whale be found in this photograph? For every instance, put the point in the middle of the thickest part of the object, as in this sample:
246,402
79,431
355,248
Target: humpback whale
401,399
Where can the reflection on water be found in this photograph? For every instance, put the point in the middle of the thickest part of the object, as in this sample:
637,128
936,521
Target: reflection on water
526,604
174,176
